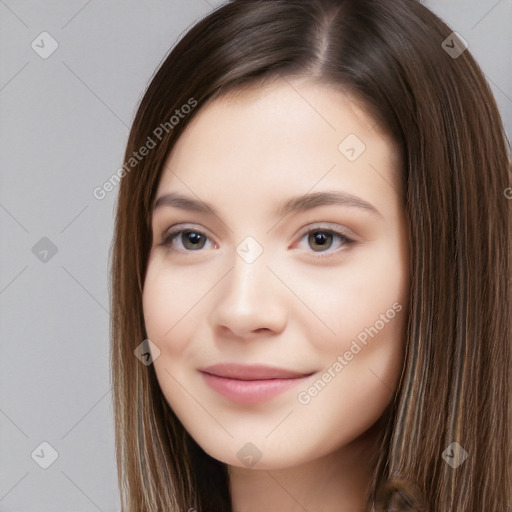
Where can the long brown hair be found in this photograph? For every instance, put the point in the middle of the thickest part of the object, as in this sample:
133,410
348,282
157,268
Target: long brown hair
392,56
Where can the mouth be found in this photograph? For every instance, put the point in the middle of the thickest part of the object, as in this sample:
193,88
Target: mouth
250,384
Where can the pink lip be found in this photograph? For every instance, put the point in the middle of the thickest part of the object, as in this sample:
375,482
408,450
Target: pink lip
249,384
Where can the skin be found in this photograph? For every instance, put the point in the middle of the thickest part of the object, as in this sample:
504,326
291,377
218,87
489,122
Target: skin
298,306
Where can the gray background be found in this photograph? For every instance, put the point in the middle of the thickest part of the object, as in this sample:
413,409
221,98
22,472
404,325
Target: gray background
64,124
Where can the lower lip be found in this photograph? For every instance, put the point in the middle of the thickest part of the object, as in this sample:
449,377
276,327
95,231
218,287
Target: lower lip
250,391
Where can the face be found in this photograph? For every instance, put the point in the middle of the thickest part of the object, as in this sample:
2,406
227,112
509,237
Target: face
277,282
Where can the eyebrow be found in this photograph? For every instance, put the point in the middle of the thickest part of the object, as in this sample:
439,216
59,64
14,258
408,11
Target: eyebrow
292,205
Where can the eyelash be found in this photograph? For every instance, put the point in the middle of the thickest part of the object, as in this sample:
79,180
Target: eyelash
169,237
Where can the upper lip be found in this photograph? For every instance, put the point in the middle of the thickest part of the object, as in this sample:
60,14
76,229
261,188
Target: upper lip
251,372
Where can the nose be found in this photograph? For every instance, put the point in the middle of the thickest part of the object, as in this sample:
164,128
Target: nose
250,300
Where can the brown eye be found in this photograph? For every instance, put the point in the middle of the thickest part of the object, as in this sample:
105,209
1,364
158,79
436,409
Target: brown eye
325,242
186,240
192,240
320,239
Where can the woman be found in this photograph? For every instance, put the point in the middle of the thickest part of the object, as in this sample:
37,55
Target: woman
312,265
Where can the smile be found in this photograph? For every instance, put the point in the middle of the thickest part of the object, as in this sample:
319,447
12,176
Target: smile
250,384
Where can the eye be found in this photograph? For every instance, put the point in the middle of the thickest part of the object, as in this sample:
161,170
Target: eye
321,239
188,240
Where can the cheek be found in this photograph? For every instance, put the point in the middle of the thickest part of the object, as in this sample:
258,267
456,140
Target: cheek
363,299
366,307
168,301
170,298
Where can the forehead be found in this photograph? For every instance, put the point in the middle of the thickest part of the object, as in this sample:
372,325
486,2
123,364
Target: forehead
279,139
